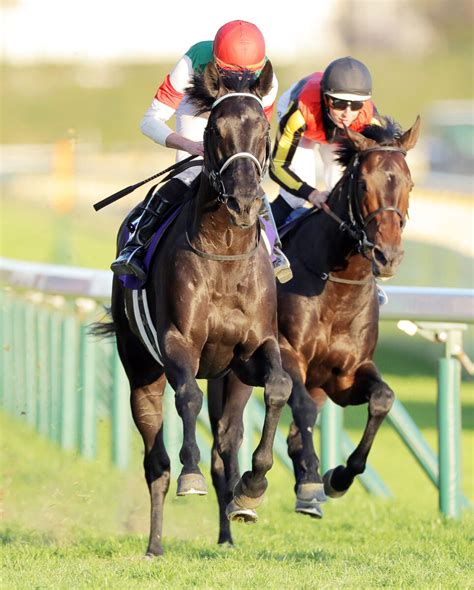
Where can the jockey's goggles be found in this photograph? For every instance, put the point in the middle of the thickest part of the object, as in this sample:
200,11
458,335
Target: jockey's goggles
339,104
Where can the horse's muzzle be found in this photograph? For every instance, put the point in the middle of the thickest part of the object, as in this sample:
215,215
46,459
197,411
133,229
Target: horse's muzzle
386,260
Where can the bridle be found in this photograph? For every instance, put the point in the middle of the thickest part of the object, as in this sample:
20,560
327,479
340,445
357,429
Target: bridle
217,183
356,228
215,173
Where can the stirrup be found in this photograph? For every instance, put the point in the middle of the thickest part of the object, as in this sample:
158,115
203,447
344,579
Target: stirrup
128,265
282,268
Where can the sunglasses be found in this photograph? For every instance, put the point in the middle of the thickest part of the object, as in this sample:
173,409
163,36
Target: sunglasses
339,104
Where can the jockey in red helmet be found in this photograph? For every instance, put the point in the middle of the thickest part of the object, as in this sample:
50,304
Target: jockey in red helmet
238,46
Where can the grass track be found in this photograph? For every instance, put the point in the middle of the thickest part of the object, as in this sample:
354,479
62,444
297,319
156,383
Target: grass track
70,523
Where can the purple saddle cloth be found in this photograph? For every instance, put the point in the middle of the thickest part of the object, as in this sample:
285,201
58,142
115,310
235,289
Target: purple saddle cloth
132,282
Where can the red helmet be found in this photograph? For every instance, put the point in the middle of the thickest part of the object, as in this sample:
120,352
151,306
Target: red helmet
239,45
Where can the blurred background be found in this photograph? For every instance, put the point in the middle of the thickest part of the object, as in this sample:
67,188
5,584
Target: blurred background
78,76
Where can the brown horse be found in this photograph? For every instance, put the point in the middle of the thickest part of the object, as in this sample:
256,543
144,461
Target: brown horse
328,314
212,301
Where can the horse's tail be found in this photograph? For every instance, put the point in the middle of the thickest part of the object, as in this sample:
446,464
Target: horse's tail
103,329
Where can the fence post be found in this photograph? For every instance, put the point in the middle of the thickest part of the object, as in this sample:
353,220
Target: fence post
120,414
68,412
41,372
331,435
87,396
7,351
449,429
54,334
25,369
247,447
173,429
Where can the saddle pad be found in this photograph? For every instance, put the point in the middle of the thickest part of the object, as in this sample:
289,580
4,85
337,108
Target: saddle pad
295,218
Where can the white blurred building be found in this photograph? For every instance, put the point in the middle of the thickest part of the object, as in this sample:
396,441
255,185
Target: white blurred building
104,30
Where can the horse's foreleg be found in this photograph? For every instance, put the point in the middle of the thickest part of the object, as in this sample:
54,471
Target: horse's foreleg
248,494
367,387
147,410
226,401
188,400
309,484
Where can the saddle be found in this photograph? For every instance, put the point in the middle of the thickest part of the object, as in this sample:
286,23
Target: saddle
294,219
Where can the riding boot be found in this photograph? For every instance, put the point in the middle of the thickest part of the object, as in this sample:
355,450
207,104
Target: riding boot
130,261
281,264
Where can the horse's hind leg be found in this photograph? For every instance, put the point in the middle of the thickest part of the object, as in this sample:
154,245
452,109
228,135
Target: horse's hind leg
227,398
248,494
367,386
147,410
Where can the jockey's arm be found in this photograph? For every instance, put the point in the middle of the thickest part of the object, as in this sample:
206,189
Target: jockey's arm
165,102
289,135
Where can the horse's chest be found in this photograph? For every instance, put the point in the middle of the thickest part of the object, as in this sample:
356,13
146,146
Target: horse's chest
227,327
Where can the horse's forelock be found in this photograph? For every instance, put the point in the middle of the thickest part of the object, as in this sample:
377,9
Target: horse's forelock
232,81
199,95
387,132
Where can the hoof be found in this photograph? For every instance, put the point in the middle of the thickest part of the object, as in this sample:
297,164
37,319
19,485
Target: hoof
242,500
330,491
191,484
239,514
309,497
149,555
312,509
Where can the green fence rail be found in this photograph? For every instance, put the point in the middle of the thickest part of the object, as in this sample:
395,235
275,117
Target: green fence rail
62,382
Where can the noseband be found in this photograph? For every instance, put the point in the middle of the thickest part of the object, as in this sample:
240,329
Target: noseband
358,223
215,176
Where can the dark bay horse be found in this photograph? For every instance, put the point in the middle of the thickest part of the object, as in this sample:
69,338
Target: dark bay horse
212,301
328,314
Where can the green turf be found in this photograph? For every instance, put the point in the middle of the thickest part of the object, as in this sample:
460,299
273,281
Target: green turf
70,523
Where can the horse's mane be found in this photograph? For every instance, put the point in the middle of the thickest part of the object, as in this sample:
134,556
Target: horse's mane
235,81
387,132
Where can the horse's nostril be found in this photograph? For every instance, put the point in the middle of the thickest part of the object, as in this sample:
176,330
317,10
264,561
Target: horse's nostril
233,205
380,256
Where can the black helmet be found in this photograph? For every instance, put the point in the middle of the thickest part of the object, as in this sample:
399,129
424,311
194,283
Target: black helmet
347,78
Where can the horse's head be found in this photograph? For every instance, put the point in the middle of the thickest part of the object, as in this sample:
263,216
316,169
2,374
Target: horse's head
380,186
236,139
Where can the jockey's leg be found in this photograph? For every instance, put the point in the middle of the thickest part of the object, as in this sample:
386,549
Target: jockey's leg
281,264
130,261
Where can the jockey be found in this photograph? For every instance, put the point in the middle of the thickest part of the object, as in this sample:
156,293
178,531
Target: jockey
313,112
238,46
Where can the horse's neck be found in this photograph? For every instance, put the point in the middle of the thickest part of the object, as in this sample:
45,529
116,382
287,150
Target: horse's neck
211,229
323,247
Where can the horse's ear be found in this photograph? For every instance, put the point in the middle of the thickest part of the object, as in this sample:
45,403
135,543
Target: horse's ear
359,141
409,138
263,83
211,79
